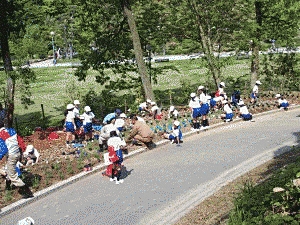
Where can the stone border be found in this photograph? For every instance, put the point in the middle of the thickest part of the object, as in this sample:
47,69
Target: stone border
37,195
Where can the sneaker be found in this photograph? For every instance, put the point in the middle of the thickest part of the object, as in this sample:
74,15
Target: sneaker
113,179
117,182
172,141
228,120
121,181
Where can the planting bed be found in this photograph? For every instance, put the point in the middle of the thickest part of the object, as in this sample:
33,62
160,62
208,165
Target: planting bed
55,166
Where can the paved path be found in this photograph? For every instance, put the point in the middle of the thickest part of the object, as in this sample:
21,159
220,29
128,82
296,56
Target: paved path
168,181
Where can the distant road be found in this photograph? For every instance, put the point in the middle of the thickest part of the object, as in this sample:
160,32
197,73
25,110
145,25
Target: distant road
49,62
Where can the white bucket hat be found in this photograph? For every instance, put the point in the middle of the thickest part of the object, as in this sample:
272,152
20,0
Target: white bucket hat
76,102
258,82
29,148
176,123
153,103
172,108
70,106
223,84
193,95
148,101
201,87
277,96
87,109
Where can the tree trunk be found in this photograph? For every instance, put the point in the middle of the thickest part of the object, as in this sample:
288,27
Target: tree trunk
138,51
255,44
207,47
7,61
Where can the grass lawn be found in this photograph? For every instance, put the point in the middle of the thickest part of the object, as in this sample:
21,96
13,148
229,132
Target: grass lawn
55,87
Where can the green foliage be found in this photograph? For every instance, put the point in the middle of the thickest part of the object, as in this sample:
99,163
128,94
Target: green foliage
261,205
8,196
281,72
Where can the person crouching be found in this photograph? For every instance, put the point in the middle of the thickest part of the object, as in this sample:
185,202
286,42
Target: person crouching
227,117
282,102
176,135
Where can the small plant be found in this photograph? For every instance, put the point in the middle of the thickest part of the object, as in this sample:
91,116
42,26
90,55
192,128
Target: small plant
61,175
36,182
8,195
70,168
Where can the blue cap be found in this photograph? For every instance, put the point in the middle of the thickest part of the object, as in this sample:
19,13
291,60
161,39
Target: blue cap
118,111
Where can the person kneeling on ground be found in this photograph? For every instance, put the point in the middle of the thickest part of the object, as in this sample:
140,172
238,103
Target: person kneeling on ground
227,117
244,113
10,147
281,102
32,155
140,132
176,135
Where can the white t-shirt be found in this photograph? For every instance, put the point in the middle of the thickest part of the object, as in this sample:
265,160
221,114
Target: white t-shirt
203,98
195,103
119,122
116,142
175,132
227,109
76,112
244,110
70,116
154,108
108,128
141,119
143,105
87,117
255,89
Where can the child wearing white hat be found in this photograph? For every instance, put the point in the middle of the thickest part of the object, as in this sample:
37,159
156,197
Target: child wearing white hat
254,93
195,108
204,109
32,155
227,117
281,102
70,125
88,117
173,112
176,135
243,111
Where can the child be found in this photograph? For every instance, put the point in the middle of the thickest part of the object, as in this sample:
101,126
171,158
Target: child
220,92
116,144
70,124
282,102
173,112
254,94
244,113
155,111
88,117
120,122
195,108
227,117
176,135
143,107
204,109
32,155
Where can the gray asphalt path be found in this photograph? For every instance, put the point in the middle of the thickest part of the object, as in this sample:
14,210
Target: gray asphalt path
168,181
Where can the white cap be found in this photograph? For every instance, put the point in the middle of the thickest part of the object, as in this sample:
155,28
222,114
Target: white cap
29,148
201,87
153,103
258,82
223,84
176,123
172,108
76,102
148,100
70,106
123,115
87,109
193,95
277,96
224,101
